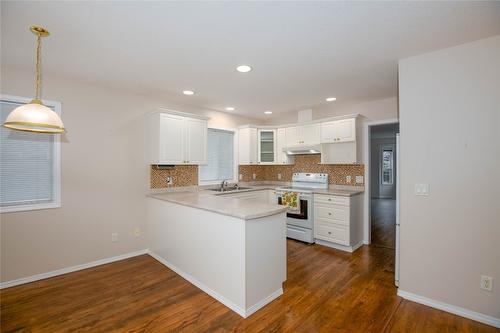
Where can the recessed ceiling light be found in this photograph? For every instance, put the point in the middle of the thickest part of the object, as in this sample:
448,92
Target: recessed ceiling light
229,108
243,68
268,112
188,92
331,99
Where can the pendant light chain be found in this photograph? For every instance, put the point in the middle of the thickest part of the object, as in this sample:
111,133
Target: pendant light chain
38,66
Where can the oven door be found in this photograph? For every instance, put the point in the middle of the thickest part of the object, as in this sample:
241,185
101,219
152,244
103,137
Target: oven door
304,218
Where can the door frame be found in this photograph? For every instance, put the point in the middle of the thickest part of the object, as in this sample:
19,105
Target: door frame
367,214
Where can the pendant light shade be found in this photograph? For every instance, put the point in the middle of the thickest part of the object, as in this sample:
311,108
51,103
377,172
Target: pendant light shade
35,117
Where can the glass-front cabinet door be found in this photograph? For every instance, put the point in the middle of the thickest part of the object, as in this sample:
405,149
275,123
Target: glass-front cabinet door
267,146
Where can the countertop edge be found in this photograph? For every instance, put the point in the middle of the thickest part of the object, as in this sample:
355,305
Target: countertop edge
242,217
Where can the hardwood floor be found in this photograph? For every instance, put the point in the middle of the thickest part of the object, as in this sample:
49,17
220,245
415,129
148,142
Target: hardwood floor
327,291
384,223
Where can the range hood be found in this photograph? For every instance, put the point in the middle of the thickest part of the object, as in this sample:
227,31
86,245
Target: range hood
302,150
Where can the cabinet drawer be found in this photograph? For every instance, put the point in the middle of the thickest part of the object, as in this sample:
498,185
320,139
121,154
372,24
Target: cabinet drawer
331,199
332,233
333,213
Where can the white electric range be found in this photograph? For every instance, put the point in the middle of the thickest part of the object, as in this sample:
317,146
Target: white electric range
300,225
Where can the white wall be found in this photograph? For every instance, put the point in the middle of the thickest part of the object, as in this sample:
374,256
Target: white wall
449,121
104,177
374,110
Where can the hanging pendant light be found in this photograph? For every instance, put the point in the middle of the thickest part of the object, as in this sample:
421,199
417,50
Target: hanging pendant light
35,117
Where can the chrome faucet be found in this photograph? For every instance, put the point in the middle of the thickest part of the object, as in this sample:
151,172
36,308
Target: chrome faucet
222,185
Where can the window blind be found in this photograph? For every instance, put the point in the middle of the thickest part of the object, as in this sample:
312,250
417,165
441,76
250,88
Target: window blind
26,164
220,156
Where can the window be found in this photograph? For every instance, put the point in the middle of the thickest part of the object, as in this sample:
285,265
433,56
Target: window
220,157
387,166
29,164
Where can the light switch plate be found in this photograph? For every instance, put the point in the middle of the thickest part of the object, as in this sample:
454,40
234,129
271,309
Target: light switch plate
170,180
348,179
114,237
240,177
360,179
279,176
422,189
254,176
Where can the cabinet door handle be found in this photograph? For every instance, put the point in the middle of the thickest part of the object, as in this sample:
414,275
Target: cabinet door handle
329,213
329,232
329,199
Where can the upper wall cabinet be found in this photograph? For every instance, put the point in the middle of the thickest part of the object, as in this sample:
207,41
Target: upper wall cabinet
338,131
341,141
177,139
267,146
247,146
281,156
303,135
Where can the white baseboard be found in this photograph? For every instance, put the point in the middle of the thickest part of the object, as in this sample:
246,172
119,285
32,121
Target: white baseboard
200,285
482,318
254,308
66,270
239,310
338,246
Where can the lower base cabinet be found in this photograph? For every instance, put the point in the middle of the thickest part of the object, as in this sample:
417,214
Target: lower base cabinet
338,221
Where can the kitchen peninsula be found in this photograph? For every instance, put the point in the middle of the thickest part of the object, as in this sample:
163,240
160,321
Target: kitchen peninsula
232,249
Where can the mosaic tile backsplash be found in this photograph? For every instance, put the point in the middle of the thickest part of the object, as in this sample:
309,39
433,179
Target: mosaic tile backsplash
303,163
187,175
182,175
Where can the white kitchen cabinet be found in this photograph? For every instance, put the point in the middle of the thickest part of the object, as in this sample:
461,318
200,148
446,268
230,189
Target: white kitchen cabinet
309,134
177,139
171,140
196,136
267,146
303,135
247,146
338,221
281,156
292,136
341,141
337,131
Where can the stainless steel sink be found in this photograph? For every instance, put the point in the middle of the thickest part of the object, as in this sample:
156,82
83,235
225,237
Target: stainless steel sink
229,189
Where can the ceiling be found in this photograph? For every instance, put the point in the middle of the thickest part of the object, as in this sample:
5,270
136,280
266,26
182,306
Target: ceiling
301,52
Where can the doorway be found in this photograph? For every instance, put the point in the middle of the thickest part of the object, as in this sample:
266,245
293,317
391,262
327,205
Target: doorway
383,178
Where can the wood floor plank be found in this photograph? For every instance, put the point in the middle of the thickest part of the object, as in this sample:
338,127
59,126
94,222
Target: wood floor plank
326,291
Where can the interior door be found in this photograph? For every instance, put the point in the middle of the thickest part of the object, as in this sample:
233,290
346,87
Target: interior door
172,139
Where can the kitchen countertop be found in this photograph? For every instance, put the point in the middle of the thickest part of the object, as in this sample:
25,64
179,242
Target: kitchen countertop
218,202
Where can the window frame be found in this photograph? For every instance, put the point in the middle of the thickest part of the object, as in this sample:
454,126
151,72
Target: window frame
382,149
235,157
56,168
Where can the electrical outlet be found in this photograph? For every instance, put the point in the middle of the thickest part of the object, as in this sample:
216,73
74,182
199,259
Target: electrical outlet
279,176
348,179
114,237
360,180
170,181
240,176
137,232
254,176
486,283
